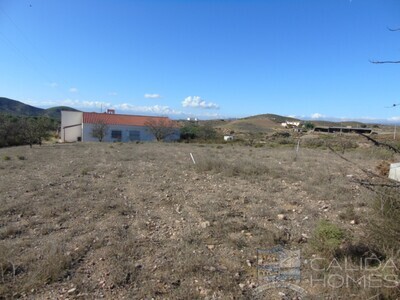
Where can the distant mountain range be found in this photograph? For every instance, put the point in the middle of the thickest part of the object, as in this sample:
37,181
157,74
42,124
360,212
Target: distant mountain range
17,108
262,122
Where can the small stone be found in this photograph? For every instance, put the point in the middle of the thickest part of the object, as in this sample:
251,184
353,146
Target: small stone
353,222
205,224
210,247
71,291
282,217
211,269
242,285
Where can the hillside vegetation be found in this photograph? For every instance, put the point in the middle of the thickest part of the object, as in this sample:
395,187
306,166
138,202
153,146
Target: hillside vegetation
17,108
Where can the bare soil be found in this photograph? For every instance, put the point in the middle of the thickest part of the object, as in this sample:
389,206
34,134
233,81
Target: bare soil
141,221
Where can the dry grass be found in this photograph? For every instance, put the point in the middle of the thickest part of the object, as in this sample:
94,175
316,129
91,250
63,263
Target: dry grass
139,221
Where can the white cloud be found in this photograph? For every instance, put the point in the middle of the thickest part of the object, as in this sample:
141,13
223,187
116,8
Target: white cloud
112,94
73,90
197,102
395,119
152,96
317,116
53,84
94,104
154,109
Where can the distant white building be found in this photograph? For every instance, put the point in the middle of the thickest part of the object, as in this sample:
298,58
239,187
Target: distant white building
228,137
289,124
78,126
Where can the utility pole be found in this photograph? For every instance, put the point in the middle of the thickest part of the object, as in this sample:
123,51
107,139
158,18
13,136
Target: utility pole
395,125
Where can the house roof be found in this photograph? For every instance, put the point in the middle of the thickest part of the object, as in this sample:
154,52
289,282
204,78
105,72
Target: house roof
117,119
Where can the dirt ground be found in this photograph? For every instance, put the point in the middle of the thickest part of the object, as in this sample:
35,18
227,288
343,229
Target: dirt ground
141,221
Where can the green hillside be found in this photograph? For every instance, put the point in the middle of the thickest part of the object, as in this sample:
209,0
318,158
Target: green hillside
275,118
55,112
17,108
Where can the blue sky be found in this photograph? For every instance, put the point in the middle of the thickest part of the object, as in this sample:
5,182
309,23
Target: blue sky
204,58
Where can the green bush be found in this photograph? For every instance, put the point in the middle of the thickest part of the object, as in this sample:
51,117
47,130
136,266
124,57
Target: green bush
308,126
193,131
15,130
327,238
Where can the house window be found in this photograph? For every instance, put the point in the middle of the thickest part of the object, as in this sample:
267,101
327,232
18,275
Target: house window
116,134
134,135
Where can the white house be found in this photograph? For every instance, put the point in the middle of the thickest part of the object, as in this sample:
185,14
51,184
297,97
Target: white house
289,124
228,138
78,126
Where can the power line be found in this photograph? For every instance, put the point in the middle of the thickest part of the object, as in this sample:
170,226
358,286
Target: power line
26,58
23,35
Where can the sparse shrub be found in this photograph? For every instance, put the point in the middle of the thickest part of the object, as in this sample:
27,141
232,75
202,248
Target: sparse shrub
21,157
284,141
327,238
84,172
281,134
383,168
334,142
349,214
380,153
313,143
258,145
385,226
6,157
219,147
281,138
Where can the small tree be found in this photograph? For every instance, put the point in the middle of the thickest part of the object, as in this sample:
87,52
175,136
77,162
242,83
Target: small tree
99,130
161,128
34,130
190,131
308,126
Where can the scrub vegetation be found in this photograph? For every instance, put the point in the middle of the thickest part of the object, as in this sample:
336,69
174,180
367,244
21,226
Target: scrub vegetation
141,221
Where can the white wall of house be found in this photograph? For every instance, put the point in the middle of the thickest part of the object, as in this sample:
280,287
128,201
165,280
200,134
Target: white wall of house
128,134
70,118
